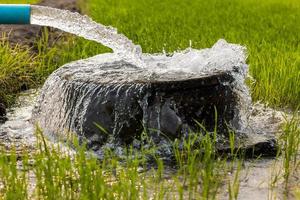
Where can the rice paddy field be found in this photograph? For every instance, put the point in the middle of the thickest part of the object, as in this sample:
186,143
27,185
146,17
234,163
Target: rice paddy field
270,30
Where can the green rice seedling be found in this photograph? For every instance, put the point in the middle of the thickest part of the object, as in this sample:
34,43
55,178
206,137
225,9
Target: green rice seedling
16,69
236,159
128,186
290,144
46,170
13,180
200,170
286,163
275,178
234,185
60,175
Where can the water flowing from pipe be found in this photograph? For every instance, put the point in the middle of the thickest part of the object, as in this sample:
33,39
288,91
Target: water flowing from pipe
85,27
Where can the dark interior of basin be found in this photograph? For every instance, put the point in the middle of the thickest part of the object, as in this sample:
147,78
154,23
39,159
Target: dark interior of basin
164,108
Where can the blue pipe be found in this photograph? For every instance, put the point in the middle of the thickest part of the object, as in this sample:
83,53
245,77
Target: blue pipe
15,14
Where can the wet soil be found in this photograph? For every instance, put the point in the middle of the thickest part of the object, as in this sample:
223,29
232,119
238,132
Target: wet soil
255,181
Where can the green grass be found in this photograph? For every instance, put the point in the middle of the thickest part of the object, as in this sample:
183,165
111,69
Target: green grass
21,68
200,173
290,146
285,168
16,68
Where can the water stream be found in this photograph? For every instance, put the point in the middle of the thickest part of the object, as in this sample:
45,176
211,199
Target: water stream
73,22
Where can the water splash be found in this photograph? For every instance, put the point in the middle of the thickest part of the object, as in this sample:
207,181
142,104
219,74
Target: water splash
109,87
85,27
69,92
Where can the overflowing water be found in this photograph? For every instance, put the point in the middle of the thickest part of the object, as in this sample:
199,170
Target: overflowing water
128,65
118,85
18,131
74,87
188,64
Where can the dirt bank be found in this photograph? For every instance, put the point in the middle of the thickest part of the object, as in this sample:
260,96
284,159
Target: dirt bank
26,35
